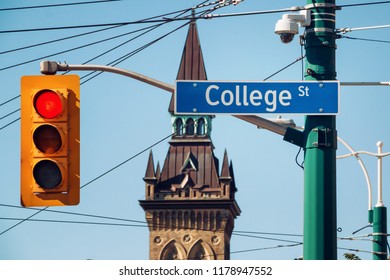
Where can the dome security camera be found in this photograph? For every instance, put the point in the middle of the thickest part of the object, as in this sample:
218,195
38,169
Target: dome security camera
287,27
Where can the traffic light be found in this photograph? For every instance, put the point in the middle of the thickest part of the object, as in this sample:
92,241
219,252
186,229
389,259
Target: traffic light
50,140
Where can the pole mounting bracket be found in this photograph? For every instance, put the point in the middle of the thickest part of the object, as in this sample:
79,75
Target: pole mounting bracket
322,137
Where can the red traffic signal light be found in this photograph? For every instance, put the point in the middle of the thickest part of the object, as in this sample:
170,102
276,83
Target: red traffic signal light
50,140
48,104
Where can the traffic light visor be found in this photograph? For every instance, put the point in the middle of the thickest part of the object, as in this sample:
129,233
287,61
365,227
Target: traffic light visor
48,104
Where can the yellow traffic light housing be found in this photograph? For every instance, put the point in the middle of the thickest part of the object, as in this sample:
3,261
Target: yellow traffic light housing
50,140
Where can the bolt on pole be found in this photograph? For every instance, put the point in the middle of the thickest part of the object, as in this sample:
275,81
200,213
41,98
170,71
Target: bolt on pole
320,136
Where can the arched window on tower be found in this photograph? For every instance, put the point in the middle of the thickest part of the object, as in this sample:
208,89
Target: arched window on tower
201,127
190,127
179,127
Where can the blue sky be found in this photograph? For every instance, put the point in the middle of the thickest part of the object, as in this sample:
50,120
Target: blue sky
121,117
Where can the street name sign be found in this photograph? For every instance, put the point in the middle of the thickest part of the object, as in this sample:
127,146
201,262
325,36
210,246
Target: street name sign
241,98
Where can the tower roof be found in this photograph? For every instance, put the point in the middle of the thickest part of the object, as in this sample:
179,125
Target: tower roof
192,65
150,174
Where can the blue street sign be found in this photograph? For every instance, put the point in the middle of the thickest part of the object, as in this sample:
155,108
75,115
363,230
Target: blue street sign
240,98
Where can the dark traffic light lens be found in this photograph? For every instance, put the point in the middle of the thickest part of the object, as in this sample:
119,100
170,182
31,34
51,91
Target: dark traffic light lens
47,174
47,139
48,104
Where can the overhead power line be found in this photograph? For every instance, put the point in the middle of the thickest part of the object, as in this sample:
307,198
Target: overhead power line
142,21
56,5
363,4
165,19
71,222
74,48
59,40
14,121
9,114
75,214
365,39
127,56
9,100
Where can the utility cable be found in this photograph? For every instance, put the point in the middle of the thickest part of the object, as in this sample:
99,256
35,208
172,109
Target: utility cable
75,213
266,238
23,220
9,114
116,47
363,4
56,5
59,40
9,100
266,248
285,67
127,56
14,121
363,39
239,233
209,16
71,222
143,21
72,49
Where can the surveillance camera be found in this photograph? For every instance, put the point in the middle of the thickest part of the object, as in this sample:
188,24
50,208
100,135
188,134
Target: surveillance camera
287,27
286,37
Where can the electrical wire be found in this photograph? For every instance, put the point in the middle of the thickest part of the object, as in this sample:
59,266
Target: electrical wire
127,56
236,232
145,223
14,121
363,39
143,21
301,165
59,40
262,237
9,114
268,233
112,49
9,100
121,59
71,222
72,49
56,5
75,213
115,62
209,16
285,67
363,4
93,180
266,248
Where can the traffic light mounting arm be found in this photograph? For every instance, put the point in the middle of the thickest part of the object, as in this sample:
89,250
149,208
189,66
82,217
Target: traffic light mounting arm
52,67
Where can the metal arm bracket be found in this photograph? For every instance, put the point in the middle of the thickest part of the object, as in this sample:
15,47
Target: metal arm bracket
322,137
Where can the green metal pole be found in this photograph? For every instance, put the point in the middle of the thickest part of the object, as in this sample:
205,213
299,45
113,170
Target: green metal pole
320,234
380,233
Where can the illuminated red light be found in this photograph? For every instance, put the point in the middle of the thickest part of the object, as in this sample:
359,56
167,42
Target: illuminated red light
48,104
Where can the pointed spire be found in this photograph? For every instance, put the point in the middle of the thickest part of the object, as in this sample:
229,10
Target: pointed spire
150,174
158,171
233,182
225,172
192,65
